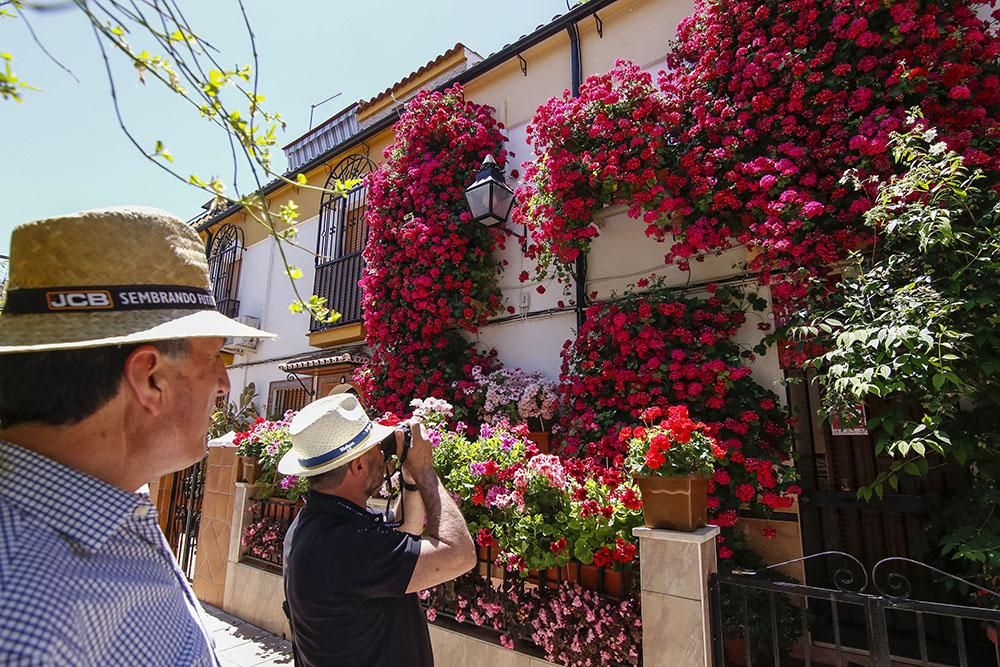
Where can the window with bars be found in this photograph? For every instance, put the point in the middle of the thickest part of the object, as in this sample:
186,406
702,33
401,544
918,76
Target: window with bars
285,395
225,258
340,242
342,226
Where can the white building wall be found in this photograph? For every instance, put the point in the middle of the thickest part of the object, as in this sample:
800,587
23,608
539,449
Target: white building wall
266,292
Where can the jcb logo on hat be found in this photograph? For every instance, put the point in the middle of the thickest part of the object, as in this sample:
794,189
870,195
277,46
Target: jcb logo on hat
79,300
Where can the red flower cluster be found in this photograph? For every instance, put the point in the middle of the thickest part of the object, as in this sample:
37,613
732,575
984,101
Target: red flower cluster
635,358
647,350
780,98
750,130
622,552
429,271
598,148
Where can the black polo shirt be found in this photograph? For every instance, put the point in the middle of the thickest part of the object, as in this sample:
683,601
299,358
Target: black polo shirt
346,575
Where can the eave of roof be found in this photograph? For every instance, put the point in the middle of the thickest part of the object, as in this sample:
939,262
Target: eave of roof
312,360
362,104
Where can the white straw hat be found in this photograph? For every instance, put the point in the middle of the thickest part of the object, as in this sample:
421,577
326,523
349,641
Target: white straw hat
109,277
328,433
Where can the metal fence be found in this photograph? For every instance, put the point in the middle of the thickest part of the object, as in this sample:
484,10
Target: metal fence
269,519
755,619
184,515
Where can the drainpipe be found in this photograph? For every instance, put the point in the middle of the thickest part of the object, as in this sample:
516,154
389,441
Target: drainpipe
580,270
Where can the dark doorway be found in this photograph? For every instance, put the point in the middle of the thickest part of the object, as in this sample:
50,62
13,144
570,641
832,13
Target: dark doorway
834,518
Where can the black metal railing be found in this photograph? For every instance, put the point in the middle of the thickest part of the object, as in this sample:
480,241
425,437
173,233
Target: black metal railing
337,281
264,536
228,307
184,515
757,620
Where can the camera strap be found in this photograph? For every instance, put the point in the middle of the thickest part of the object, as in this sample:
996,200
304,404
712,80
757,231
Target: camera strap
387,477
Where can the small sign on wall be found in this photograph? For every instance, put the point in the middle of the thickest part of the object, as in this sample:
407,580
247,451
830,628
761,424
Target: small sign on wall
849,421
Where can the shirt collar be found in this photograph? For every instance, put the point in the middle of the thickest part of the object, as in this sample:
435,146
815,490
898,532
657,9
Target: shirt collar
81,507
329,503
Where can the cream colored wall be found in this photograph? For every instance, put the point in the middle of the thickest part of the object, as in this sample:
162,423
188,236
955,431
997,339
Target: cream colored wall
638,31
454,648
256,596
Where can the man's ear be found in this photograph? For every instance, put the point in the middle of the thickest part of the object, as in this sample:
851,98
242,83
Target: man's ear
144,377
359,467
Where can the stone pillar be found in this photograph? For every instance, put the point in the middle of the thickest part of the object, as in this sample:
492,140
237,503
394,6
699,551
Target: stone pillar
676,622
216,530
237,520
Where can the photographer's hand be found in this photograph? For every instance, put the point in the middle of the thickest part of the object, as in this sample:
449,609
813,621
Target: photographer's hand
447,550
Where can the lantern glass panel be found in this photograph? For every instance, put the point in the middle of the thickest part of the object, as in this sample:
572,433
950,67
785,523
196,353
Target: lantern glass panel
503,200
478,198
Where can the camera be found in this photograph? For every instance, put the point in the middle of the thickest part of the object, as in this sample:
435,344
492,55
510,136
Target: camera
388,444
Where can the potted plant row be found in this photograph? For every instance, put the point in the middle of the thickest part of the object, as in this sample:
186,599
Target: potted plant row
538,516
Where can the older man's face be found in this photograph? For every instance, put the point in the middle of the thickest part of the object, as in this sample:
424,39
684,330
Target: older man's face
199,379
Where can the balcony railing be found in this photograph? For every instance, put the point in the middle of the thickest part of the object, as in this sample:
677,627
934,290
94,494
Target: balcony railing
337,280
228,307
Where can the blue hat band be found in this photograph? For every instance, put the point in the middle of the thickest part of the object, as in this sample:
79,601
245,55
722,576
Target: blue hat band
317,461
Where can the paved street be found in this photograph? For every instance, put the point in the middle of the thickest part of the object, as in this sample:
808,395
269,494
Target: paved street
240,644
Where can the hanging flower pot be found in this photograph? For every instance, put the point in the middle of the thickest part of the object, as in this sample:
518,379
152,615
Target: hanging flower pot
674,503
671,459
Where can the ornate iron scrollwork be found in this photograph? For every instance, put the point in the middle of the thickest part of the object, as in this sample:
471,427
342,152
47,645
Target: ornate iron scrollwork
296,378
897,585
844,578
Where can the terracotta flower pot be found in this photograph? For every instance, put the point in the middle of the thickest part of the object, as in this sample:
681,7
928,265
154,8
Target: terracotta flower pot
674,503
249,469
540,438
485,566
552,577
613,583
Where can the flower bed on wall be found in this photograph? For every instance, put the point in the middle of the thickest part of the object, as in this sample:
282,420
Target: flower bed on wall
429,270
762,110
534,515
635,357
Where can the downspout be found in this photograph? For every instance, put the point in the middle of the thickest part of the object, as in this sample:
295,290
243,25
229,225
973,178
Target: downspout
580,269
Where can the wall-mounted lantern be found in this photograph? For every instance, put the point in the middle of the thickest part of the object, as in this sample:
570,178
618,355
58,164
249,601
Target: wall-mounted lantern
489,197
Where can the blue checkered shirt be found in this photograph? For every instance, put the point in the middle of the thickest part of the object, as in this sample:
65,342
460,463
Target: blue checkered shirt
86,576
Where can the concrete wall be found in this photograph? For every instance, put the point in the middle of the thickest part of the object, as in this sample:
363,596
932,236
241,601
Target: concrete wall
255,595
454,648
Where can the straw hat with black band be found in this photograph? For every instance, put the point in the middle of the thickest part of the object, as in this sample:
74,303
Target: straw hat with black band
106,277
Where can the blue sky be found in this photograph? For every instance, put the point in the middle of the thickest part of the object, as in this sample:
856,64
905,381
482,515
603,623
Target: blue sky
61,149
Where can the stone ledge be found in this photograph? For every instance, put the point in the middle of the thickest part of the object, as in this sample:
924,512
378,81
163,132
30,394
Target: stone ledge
699,536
